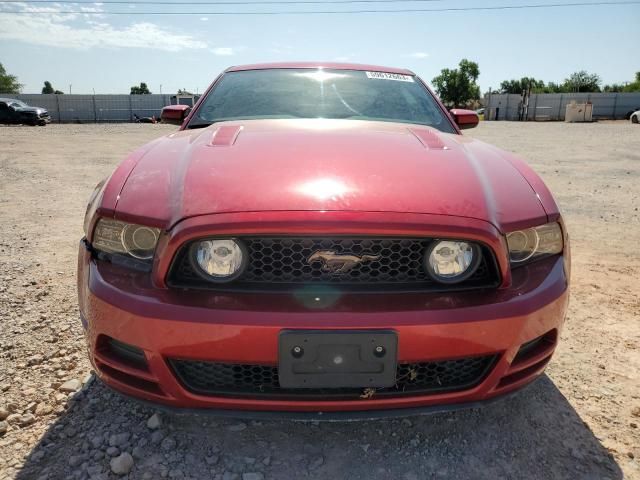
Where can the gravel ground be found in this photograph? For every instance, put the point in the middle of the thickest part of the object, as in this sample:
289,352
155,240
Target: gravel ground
579,421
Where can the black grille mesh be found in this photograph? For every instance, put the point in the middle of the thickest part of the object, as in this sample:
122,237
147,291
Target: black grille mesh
241,380
286,260
388,262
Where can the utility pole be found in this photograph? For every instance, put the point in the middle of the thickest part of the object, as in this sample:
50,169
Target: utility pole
69,89
160,89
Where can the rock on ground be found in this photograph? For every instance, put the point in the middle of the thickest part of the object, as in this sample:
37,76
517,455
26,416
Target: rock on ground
122,464
71,385
154,422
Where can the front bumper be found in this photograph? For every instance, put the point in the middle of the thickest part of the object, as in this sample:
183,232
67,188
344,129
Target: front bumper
237,328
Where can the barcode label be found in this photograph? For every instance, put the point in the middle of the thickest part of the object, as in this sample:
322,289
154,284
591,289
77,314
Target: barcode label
390,76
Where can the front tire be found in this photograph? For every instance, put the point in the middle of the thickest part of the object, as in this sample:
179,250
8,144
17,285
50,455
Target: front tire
634,119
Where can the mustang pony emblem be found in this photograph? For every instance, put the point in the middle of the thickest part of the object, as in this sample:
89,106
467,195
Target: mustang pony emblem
335,263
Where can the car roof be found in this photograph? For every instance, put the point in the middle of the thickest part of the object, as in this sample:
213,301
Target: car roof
331,65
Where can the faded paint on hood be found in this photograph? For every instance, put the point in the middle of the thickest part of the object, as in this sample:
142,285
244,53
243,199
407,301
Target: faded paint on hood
328,165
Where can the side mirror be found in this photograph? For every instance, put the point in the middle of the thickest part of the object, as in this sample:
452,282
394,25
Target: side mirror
174,114
465,118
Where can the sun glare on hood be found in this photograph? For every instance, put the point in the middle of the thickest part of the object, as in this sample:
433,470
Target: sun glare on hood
324,189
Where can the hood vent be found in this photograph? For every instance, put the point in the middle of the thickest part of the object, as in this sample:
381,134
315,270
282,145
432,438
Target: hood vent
428,138
225,136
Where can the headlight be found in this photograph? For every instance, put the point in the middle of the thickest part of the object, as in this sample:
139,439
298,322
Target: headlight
452,261
92,205
137,241
534,242
219,260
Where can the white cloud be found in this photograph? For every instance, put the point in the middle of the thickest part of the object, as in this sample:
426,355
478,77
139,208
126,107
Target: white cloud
94,9
280,49
417,55
224,51
83,31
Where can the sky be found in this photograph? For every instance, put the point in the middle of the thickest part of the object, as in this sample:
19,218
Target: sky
94,51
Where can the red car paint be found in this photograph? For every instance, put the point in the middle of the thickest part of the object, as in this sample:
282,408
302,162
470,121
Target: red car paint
174,113
323,178
327,65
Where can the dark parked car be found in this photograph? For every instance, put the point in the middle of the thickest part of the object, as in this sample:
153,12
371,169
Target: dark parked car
16,111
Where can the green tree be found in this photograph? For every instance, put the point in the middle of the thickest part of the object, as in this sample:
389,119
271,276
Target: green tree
140,90
8,83
624,87
458,87
614,87
633,86
518,86
553,87
582,81
49,89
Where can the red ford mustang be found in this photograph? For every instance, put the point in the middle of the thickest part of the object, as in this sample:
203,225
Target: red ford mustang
320,238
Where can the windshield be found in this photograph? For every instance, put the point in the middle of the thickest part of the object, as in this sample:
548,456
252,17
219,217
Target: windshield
18,104
320,93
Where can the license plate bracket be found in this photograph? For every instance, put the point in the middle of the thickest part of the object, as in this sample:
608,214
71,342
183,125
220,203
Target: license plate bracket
337,358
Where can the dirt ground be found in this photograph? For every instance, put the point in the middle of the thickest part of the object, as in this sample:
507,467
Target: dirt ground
580,421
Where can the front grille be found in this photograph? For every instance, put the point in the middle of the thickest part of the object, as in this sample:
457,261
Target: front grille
261,381
284,262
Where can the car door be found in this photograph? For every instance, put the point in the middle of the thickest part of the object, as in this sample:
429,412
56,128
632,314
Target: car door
5,113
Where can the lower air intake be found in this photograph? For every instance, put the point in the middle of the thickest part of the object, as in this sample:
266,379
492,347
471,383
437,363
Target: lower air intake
261,381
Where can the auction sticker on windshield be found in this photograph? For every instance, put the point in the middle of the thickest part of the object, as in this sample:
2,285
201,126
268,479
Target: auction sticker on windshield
390,76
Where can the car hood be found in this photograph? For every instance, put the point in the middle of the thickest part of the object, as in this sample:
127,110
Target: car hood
326,165
36,110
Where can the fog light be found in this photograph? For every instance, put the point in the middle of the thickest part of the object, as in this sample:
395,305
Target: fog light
219,260
450,261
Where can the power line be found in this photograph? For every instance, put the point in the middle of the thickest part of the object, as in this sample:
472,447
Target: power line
328,12
243,2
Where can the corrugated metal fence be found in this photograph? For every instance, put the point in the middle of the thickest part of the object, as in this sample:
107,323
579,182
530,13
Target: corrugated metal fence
96,108
121,108
552,106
